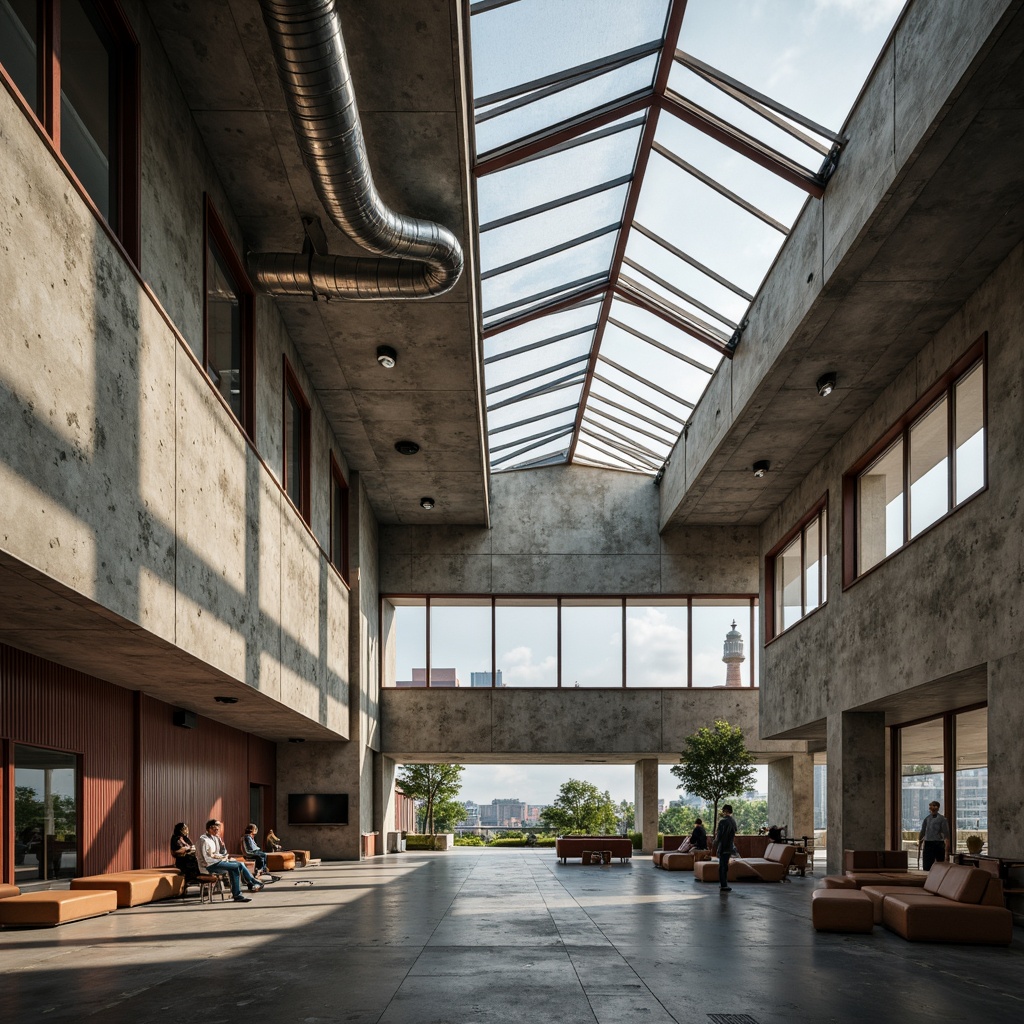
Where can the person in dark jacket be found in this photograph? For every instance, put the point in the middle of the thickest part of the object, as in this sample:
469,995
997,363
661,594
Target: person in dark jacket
699,836
725,842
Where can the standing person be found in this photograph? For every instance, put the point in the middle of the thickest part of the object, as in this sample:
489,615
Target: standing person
934,837
699,836
725,842
213,858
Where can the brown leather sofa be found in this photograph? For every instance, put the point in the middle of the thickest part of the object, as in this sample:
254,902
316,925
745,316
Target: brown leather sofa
772,867
958,904
676,861
574,846
870,867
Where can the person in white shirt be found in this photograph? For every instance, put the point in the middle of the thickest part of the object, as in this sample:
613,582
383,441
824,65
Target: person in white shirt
213,859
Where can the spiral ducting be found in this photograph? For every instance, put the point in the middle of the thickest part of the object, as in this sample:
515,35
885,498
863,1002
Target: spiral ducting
412,258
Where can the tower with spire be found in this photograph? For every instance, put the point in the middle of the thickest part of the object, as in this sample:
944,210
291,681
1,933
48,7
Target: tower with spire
733,656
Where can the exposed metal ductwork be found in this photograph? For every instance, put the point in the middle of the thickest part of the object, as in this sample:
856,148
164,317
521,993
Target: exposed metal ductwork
413,258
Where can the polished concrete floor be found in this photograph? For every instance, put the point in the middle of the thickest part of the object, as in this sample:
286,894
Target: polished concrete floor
503,935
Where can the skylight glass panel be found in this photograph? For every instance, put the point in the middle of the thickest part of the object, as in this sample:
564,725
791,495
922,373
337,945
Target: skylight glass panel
628,405
659,330
532,452
517,308
584,260
652,393
601,155
536,359
519,434
703,320
525,408
654,364
529,118
524,385
533,39
811,56
581,318
524,237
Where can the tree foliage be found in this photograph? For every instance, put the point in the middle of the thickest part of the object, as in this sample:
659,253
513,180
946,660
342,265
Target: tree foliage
580,807
677,821
715,764
436,785
626,813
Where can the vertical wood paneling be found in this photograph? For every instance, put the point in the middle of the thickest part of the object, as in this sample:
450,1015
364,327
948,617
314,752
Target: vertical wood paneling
139,773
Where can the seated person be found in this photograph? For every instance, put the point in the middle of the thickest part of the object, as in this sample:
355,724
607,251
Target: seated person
213,858
698,837
273,843
183,851
251,851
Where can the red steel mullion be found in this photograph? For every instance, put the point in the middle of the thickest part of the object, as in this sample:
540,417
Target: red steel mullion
663,314
554,307
738,145
665,58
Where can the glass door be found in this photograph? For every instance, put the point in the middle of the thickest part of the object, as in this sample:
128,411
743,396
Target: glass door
46,814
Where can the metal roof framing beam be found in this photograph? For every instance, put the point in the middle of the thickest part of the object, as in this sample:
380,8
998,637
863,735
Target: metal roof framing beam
673,25
577,298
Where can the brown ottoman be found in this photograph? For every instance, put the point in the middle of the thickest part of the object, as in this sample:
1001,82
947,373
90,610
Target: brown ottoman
284,861
52,907
841,910
302,858
838,882
134,887
7,891
676,861
657,856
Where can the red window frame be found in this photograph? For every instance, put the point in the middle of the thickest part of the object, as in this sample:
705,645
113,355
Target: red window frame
214,231
292,388
127,87
944,386
770,632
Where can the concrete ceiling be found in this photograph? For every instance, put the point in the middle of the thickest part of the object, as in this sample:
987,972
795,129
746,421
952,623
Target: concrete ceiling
407,65
949,217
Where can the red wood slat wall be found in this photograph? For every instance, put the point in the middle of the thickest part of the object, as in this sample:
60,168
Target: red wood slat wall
183,774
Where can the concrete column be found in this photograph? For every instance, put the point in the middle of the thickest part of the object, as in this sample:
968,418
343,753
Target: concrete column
1005,758
383,798
645,800
791,794
856,784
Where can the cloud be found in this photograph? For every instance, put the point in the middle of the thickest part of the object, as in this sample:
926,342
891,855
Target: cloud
868,13
519,669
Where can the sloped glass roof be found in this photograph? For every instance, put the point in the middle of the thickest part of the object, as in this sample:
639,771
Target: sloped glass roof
638,167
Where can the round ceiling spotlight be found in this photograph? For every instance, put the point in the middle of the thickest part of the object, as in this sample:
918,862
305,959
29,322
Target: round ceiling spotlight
226,700
406,447
387,356
761,467
427,503
826,384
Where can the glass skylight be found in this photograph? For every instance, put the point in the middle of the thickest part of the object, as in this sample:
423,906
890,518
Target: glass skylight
638,168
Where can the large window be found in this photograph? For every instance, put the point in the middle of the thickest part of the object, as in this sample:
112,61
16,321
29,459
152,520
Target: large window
339,520
228,338
45,814
570,642
796,571
929,463
296,442
74,64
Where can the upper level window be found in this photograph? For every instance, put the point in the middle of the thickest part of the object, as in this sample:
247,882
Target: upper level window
796,571
75,65
228,344
339,520
296,442
930,462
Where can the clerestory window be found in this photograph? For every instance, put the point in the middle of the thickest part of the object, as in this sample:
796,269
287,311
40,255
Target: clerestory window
796,571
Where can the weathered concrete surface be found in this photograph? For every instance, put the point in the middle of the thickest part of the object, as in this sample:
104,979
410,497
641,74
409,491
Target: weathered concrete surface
909,226
791,794
645,802
561,726
569,530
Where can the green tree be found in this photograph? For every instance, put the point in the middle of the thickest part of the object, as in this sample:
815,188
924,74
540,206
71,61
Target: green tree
677,821
434,784
447,814
580,807
715,764
626,813
750,815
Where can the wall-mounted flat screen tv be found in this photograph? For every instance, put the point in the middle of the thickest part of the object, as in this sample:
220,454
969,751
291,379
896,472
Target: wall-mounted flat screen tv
318,808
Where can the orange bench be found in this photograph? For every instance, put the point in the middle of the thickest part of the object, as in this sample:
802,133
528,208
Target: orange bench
134,887
51,907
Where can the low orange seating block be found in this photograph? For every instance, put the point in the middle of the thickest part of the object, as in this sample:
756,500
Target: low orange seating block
302,857
52,907
134,887
841,910
7,891
284,861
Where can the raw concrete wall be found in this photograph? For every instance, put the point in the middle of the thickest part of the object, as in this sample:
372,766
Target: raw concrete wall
569,530
125,478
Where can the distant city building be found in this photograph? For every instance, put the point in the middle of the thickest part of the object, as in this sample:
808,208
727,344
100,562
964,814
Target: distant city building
510,812
661,805
439,677
533,814
733,656
820,796
472,816
483,678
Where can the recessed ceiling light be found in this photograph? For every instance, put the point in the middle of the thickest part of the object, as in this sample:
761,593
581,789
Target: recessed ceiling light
296,739
427,503
761,467
226,700
826,384
386,356
406,447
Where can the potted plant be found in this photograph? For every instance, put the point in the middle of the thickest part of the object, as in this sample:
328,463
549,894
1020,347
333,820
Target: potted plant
974,845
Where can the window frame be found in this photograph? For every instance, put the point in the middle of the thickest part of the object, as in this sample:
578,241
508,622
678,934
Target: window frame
770,630
945,386
292,388
215,232
339,559
127,87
